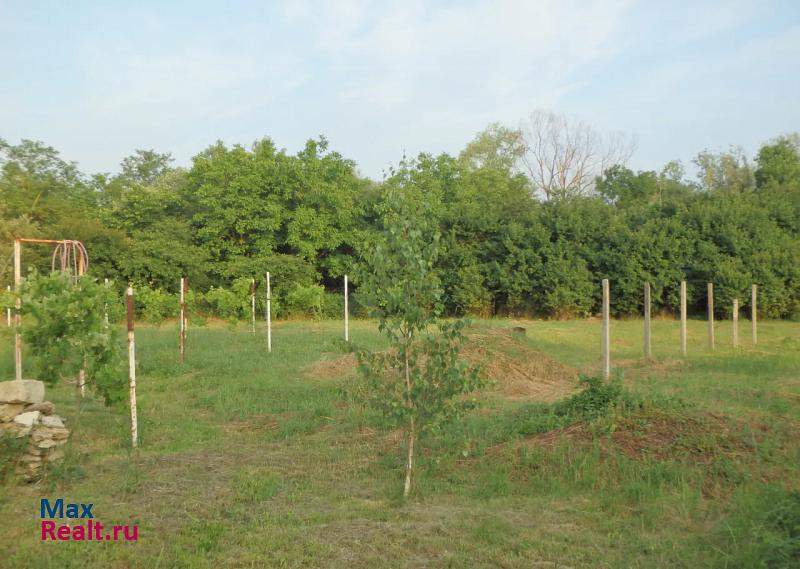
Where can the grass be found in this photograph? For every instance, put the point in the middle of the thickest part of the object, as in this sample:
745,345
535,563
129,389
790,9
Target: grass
246,460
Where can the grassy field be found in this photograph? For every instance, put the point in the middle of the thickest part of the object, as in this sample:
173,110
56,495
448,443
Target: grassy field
256,460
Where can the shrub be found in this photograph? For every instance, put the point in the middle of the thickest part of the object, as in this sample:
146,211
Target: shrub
333,305
66,331
224,303
155,305
305,300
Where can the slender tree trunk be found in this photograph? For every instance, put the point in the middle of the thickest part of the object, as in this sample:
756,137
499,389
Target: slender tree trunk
412,434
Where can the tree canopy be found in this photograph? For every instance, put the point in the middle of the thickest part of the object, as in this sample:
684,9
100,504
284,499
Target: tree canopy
505,248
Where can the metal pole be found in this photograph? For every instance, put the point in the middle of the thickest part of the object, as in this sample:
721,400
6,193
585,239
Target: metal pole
711,316
754,312
132,370
269,316
606,331
735,323
18,314
82,372
253,303
182,339
648,352
346,313
683,318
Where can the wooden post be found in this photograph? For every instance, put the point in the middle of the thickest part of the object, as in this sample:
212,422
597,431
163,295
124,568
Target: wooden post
18,314
132,368
8,310
754,312
182,333
683,318
269,315
735,323
606,338
648,352
346,313
711,316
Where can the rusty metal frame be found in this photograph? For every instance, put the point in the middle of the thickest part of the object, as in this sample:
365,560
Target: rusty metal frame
81,268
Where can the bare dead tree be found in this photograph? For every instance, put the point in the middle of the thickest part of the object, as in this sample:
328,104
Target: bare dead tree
563,157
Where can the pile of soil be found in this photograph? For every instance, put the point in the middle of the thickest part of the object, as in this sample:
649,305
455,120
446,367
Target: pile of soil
519,371
515,370
699,437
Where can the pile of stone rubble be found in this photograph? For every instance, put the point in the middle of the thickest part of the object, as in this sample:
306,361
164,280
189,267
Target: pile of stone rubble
25,413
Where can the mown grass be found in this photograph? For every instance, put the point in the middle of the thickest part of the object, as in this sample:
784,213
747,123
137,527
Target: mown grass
247,461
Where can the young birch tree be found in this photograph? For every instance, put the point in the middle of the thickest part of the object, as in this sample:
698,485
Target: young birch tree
420,381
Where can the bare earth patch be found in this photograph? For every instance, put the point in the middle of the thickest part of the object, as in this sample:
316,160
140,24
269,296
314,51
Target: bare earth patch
332,368
700,437
516,370
519,371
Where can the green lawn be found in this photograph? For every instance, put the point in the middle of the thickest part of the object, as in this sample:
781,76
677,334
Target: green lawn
249,460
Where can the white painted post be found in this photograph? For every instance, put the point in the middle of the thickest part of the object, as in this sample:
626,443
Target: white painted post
754,312
606,338
132,369
8,310
346,313
735,323
18,314
82,372
683,318
105,307
182,339
711,316
269,316
253,304
648,352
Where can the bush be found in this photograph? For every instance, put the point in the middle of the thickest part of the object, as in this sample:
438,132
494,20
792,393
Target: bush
567,285
596,399
66,332
333,305
155,305
224,303
7,299
305,300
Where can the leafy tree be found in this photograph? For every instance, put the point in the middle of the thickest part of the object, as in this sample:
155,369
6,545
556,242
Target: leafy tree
496,147
420,380
65,328
725,171
145,167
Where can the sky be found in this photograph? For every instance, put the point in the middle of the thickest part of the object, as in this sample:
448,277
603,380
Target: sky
97,80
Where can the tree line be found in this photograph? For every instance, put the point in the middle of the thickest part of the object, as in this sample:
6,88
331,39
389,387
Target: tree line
529,221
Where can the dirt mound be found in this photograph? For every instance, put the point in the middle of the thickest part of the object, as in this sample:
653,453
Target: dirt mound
515,369
519,371
332,368
699,437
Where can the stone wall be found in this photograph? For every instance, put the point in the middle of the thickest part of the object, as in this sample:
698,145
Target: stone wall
25,413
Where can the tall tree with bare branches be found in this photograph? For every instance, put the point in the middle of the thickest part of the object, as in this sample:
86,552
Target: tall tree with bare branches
563,157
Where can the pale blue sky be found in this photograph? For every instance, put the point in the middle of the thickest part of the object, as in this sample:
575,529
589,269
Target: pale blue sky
100,79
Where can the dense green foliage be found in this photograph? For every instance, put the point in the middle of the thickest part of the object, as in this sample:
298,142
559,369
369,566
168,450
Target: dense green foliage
239,212
65,329
420,380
